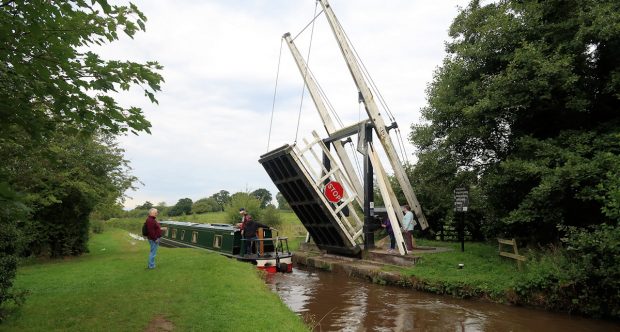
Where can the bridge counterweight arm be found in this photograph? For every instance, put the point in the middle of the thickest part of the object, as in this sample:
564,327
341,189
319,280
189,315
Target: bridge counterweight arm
373,113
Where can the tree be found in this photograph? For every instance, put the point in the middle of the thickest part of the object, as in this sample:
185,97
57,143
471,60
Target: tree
527,102
183,206
263,195
51,85
282,203
65,178
48,76
205,205
146,206
222,198
271,216
243,200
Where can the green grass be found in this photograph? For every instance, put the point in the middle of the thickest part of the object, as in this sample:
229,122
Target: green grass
484,270
109,289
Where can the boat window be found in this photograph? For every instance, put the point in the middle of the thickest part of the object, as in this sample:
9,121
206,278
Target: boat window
166,234
194,237
217,241
174,233
182,234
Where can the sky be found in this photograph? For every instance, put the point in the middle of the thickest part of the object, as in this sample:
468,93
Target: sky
220,58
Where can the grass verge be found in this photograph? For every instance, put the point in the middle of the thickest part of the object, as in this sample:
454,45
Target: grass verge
484,274
109,289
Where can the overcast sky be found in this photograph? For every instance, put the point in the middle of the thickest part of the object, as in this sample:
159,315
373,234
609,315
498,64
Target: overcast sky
220,62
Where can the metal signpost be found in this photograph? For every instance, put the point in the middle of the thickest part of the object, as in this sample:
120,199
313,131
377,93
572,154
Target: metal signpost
461,202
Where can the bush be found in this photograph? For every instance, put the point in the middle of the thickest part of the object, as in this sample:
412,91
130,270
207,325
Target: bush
97,226
584,277
60,229
10,244
133,225
242,200
137,213
271,217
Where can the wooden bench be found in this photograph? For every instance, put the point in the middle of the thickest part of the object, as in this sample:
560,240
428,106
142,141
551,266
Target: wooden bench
515,254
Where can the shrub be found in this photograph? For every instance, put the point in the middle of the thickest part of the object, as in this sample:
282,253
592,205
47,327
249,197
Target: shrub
584,277
10,244
242,200
97,226
271,217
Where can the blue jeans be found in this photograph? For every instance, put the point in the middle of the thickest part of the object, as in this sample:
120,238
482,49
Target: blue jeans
153,253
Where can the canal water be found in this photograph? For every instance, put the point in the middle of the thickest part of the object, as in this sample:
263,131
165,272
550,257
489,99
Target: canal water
334,302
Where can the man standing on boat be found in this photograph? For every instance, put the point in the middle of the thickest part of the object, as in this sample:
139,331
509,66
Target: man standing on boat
248,228
154,234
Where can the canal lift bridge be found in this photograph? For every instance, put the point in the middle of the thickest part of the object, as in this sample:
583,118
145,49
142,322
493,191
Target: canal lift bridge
321,185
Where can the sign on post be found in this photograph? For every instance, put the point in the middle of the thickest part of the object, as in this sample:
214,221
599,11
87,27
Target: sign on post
461,199
333,191
461,202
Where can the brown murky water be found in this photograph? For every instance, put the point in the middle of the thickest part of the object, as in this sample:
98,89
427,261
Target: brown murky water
335,302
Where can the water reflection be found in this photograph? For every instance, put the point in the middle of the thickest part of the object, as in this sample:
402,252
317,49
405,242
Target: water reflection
334,302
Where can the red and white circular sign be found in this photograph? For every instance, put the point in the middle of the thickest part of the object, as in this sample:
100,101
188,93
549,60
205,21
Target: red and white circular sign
333,191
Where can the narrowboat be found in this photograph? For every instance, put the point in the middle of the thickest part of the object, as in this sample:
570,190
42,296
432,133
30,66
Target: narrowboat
267,252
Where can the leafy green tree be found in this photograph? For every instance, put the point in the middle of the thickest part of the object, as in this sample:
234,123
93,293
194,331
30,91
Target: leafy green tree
527,102
205,205
10,246
51,85
282,203
182,207
271,216
222,198
65,178
243,200
263,195
49,77
146,206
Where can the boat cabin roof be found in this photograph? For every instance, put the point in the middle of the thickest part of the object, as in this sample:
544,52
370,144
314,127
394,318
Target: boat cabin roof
198,225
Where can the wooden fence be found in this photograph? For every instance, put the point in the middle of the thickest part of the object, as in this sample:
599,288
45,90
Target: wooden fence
515,251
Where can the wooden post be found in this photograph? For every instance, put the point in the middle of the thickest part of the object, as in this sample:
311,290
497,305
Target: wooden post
261,245
515,252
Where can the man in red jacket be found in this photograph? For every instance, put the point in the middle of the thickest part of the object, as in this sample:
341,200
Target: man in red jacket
154,231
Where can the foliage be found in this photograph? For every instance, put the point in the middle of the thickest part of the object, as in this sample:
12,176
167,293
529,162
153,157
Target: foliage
49,77
205,205
271,216
222,198
136,213
282,203
107,208
64,178
146,206
584,277
10,212
53,89
242,200
525,107
130,224
97,226
182,207
263,195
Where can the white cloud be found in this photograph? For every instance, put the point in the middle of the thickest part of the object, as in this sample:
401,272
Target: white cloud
220,60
